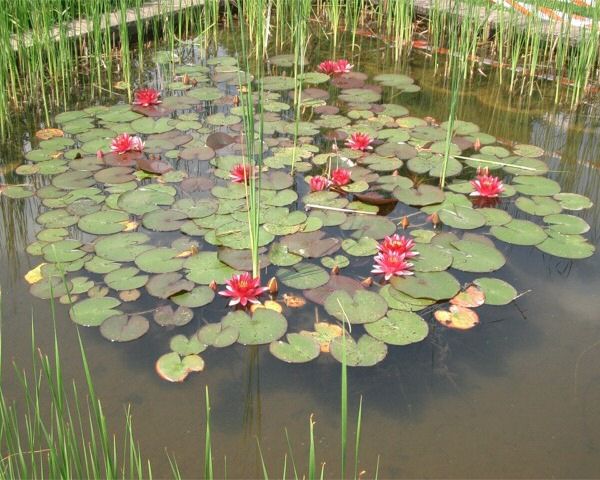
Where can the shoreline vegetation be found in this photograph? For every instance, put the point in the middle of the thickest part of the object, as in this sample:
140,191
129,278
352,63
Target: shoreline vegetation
50,61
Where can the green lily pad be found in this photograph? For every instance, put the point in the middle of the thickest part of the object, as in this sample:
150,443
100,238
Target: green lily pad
568,201
57,219
146,199
124,328
473,256
122,247
103,222
217,335
298,348
92,312
536,205
367,352
431,258
496,291
465,218
519,232
362,307
533,185
566,246
433,285
164,220
281,256
311,245
159,260
101,265
63,251
164,285
186,346
401,301
204,267
419,196
399,328
567,224
372,226
125,279
166,317
51,287
339,261
303,276
173,368
264,326
197,297
364,247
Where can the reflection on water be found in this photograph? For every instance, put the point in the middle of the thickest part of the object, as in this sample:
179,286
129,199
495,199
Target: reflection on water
516,397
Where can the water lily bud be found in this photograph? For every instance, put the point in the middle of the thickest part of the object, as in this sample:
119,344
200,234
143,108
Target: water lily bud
213,285
335,270
395,173
186,79
194,82
435,219
405,223
273,286
236,101
477,144
334,148
367,282
99,155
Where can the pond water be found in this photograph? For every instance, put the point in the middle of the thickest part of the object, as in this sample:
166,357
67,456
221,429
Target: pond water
516,396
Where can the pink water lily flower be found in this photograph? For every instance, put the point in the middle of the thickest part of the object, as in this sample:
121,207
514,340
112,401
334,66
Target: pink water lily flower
343,66
240,173
126,143
328,66
359,141
147,97
486,185
243,289
390,264
340,177
397,244
318,183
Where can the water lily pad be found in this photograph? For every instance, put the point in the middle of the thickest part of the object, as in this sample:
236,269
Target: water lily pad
431,258
474,256
92,312
159,260
124,328
471,297
433,285
164,220
566,246
217,335
570,201
103,222
311,245
537,205
186,346
146,199
205,267
303,276
197,297
298,348
566,224
166,317
63,251
122,247
399,328
173,368
50,287
419,196
165,285
73,180
459,318
361,307
263,326
125,279
496,291
372,226
364,247
367,352
519,232
242,259
540,186
339,261
196,208
281,256
458,216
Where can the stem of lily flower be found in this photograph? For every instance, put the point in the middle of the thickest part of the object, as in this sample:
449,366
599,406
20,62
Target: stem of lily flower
308,206
503,164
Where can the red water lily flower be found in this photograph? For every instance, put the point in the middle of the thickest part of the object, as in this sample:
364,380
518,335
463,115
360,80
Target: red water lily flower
126,143
390,264
359,141
343,66
399,245
486,185
328,66
340,177
318,183
243,289
240,173
147,97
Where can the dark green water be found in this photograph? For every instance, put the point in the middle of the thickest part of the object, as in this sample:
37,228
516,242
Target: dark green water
515,397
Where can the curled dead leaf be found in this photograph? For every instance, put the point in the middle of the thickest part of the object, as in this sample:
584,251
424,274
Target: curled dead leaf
34,275
293,301
269,304
129,295
130,225
193,250
472,297
48,133
459,318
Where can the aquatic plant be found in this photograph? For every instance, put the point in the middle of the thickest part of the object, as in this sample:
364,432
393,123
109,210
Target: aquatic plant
359,141
125,143
241,173
391,263
243,289
147,97
486,185
318,183
341,177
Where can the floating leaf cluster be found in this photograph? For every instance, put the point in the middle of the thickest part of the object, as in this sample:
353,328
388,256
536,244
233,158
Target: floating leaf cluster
167,225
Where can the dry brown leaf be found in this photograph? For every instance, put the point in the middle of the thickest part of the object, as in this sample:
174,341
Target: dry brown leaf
293,301
129,295
48,133
130,225
459,318
35,274
472,297
193,250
